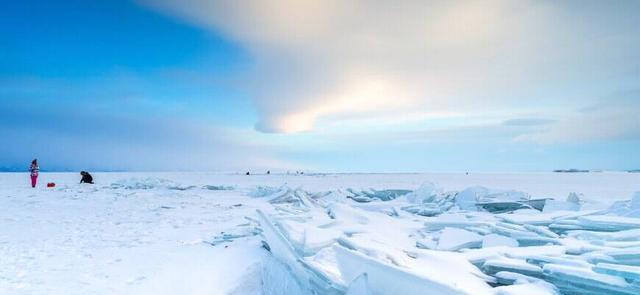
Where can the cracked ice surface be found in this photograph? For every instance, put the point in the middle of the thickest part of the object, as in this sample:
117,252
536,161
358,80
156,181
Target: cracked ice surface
205,233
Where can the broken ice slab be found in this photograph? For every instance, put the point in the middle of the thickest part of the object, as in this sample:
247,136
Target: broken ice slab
596,257
616,244
359,286
371,195
521,284
564,225
513,230
578,247
436,224
467,199
495,200
479,256
628,256
536,241
541,230
523,235
625,235
307,238
602,223
579,280
510,278
136,183
375,246
570,260
428,243
572,203
608,223
295,197
218,187
427,209
434,277
453,239
493,266
347,214
389,208
234,234
248,229
494,240
426,193
624,271
504,195
479,230
534,218
308,279
629,208
275,275
360,198
510,206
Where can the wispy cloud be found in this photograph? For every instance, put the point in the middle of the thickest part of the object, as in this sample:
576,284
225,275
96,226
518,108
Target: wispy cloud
340,59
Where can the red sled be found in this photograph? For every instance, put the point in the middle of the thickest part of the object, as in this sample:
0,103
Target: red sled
51,184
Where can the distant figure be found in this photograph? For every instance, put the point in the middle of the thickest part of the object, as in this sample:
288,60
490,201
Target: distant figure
34,170
247,173
86,177
268,172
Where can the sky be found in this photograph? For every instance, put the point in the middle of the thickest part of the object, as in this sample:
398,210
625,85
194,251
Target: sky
323,86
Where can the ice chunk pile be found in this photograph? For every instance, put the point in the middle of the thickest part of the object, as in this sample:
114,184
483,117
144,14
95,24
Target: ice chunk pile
475,241
136,183
428,200
248,229
218,187
335,261
630,208
372,195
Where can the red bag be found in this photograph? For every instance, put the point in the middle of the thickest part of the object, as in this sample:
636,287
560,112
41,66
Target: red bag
51,184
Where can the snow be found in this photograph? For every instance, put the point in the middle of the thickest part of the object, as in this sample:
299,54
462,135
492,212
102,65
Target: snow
208,233
526,289
453,239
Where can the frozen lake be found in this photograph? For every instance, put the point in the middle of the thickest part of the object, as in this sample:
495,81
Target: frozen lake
164,233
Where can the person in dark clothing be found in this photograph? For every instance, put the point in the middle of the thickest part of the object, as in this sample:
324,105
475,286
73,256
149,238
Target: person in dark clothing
86,177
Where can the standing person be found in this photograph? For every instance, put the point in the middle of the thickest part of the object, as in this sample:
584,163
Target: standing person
34,169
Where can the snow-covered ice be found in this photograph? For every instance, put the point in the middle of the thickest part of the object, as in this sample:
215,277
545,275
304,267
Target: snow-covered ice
208,233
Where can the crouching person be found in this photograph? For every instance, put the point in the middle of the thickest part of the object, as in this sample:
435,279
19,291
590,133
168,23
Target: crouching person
86,177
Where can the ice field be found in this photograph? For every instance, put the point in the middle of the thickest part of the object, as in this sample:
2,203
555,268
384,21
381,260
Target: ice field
207,233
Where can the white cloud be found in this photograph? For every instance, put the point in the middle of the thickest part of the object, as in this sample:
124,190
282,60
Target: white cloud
342,59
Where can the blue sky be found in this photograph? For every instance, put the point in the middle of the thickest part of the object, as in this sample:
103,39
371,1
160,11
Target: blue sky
320,85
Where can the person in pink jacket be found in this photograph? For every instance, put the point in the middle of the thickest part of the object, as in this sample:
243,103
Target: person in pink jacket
34,169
